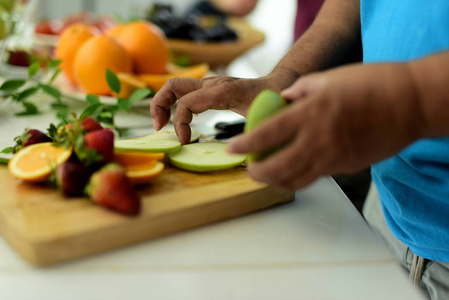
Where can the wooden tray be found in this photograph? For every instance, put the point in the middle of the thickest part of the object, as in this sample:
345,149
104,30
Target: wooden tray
219,53
46,228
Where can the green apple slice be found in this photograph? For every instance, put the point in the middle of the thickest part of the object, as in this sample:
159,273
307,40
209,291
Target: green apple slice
204,157
171,135
265,104
147,145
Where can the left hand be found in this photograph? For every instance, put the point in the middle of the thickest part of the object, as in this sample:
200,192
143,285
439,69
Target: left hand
339,121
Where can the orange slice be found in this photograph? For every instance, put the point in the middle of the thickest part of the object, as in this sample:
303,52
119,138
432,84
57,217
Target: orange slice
144,172
127,159
156,81
128,84
35,163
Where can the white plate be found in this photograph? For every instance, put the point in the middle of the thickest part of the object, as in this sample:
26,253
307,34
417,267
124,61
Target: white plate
70,91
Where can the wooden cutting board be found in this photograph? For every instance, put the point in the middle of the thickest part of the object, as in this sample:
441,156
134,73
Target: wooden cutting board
46,228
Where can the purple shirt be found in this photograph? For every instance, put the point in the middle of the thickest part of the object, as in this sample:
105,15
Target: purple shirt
306,12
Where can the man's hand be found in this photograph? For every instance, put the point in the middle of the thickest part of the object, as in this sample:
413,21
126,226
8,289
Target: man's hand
195,96
340,121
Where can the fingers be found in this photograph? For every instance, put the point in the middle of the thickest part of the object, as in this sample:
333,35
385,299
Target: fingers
167,96
277,130
288,168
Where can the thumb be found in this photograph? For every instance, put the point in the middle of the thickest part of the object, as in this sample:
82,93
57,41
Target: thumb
304,87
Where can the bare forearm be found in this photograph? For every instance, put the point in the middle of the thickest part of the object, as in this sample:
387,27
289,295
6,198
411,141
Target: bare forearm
431,82
334,32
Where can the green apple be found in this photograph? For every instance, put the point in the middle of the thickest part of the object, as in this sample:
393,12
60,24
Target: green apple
147,145
171,135
204,157
265,104
8,4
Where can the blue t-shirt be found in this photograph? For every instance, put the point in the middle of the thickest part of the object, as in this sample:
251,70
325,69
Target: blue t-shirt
414,184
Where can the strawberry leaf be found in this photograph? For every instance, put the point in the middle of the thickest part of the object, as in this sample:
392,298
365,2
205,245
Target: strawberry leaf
113,81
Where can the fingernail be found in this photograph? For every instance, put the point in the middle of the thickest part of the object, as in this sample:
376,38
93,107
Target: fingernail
155,125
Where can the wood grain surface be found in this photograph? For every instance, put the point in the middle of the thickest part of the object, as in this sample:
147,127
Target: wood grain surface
47,228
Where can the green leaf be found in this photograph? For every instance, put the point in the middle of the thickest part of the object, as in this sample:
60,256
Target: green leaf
27,93
113,81
62,114
139,94
92,110
7,150
59,106
124,104
55,74
54,63
52,130
4,160
33,69
12,84
92,99
48,89
30,109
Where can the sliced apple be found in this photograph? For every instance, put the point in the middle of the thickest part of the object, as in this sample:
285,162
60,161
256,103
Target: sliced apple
147,145
265,104
171,135
204,157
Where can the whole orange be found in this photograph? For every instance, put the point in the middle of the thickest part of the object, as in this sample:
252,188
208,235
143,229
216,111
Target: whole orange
69,42
115,31
93,58
147,46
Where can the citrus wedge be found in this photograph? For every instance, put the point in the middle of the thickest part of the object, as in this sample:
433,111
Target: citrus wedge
156,81
128,85
144,172
35,163
136,158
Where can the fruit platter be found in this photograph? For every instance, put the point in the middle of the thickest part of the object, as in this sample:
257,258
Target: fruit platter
77,190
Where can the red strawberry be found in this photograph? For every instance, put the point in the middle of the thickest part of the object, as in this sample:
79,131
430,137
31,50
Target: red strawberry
111,188
30,137
19,58
90,124
72,178
102,141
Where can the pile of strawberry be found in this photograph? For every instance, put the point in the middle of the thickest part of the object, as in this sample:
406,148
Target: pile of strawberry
91,169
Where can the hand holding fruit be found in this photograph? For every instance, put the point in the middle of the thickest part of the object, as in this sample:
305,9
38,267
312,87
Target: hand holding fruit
340,121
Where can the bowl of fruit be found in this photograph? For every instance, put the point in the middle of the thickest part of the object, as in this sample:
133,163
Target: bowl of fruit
204,35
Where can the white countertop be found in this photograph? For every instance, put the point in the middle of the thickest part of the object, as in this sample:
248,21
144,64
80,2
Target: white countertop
317,247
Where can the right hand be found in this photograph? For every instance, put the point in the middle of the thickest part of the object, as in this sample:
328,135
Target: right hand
195,96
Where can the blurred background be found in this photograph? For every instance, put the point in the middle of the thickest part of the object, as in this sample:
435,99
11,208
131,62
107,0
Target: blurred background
275,19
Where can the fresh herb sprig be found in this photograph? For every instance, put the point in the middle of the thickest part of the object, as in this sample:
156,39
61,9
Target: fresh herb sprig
21,90
105,113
